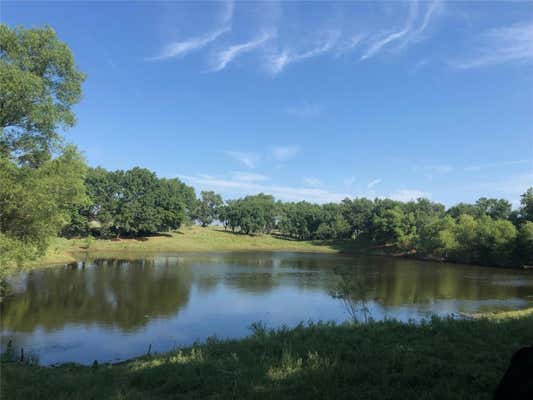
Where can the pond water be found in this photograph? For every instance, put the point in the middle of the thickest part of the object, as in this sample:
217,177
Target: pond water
111,309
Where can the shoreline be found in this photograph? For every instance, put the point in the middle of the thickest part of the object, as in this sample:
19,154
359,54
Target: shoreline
195,239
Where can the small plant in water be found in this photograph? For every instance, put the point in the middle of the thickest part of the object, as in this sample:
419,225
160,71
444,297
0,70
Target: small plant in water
8,354
352,291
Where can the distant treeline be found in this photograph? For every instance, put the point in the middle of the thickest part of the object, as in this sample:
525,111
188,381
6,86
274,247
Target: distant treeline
46,188
136,202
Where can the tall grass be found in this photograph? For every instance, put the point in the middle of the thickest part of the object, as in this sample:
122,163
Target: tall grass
437,359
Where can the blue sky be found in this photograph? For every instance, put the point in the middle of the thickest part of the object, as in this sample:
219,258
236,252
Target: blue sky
314,101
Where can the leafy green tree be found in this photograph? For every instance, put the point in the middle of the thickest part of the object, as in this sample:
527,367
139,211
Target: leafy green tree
463,209
358,214
525,243
35,203
484,241
332,225
132,202
300,220
387,221
208,207
171,203
40,84
526,203
496,241
465,236
436,236
495,208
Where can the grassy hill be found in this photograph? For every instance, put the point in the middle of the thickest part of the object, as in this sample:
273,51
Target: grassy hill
193,238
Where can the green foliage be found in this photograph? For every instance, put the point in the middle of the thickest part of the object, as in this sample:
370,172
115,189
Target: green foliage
526,202
40,84
525,243
35,203
481,233
251,214
299,220
208,207
358,214
131,203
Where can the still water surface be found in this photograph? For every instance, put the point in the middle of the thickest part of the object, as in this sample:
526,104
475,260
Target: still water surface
111,309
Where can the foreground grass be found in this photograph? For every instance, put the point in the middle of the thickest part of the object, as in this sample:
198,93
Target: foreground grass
440,359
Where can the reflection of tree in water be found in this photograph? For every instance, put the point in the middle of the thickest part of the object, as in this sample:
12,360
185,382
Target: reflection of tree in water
352,289
127,293
111,292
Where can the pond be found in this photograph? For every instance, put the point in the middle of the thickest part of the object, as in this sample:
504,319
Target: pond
111,309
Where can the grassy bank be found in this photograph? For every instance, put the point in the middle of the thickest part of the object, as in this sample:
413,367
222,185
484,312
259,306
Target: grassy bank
193,238
441,359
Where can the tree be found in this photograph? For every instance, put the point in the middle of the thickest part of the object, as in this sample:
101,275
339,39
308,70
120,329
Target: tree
436,236
387,221
41,181
463,209
358,214
526,203
495,240
525,243
495,208
35,203
40,84
171,203
132,202
208,206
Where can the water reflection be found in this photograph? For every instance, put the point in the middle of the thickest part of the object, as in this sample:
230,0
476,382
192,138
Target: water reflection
109,308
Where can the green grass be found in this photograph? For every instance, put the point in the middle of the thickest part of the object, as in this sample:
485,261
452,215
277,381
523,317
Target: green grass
440,359
497,315
193,238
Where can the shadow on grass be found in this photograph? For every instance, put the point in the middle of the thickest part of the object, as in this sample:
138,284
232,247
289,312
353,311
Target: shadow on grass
380,360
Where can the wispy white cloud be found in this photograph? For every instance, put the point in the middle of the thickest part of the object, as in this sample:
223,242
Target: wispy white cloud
305,110
247,177
373,183
224,57
409,194
433,8
409,33
284,153
226,14
502,45
286,193
312,181
347,44
278,61
376,46
184,47
248,159
479,167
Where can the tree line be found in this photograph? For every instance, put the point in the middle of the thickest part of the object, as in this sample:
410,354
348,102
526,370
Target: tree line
137,202
46,189
487,232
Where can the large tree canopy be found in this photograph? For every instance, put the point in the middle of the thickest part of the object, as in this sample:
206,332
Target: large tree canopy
35,203
132,202
40,84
